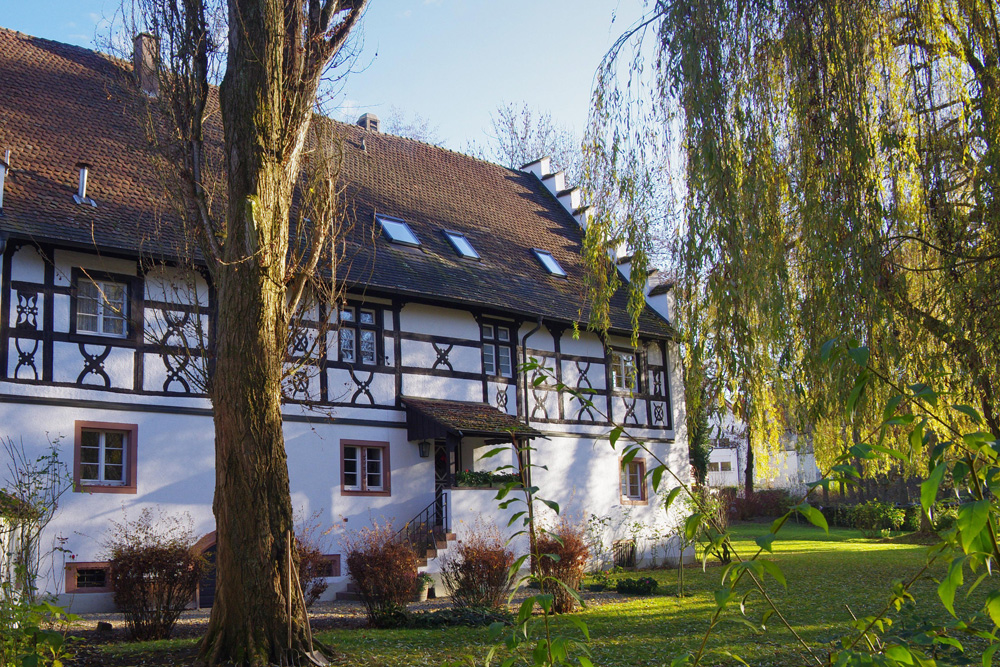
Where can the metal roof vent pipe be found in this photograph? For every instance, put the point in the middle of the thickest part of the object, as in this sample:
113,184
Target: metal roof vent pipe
4,166
81,192
369,121
145,53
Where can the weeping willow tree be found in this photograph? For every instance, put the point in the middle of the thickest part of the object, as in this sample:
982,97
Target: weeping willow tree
835,168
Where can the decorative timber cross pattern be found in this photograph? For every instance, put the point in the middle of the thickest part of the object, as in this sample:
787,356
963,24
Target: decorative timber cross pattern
583,383
502,397
442,356
362,387
93,364
175,364
630,411
27,310
26,358
538,394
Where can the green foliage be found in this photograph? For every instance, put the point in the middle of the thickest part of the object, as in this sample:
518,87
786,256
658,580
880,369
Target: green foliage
473,617
873,517
154,572
484,478
34,635
640,586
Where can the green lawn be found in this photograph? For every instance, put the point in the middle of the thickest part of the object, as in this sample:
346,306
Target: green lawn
826,573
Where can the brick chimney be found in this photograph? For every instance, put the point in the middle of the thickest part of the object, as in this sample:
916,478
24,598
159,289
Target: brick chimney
144,55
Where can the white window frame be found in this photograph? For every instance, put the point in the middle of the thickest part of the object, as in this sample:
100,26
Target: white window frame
102,459
106,311
363,459
624,371
497,344
633,481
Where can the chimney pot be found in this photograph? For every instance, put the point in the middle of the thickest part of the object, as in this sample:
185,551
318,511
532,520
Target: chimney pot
4,166
369,121
144,56
81,193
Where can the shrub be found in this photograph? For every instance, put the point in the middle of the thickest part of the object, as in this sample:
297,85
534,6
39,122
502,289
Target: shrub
839,515
32,634
766,503
640,586
872,517
384,569
473,617
945,516
154,572
568,544
478,573
911,518
313,565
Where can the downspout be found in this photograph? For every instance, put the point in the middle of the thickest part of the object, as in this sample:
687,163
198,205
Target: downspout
524,454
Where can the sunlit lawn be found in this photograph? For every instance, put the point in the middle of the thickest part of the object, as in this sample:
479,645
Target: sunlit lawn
826,574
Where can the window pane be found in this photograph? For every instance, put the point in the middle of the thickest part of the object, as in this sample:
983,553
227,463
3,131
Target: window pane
549,262
347,345
89,472
726,466
90,439
506,369
114,473
351,467
347,315
113,324
368,347
373,468
91,578
488,331
398,231
86,323
462,245
90,455
367,317
114,297
489,360
503,334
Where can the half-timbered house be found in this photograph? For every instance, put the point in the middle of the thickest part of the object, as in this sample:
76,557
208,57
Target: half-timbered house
459,272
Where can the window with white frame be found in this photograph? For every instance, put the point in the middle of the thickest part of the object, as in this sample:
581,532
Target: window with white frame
365,467
498,351
633,481
358,335
623,371
398,231
101,307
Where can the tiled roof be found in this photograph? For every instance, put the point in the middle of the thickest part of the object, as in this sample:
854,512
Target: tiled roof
61,105
463,418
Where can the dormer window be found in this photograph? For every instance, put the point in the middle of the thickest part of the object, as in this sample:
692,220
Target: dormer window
398,231
462,245
549,262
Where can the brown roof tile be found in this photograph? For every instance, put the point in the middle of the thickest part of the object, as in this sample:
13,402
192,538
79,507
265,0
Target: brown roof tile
61,105
463,418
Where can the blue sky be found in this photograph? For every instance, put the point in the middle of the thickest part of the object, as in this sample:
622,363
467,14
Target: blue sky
450,61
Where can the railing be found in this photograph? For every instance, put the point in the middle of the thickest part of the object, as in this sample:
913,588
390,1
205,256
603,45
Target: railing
424,530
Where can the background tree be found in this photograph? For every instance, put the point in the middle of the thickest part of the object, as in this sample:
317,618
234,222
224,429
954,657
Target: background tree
276,53
410,125
519,135
838,173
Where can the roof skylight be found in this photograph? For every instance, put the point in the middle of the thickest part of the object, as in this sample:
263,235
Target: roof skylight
462,245
549,262
397,230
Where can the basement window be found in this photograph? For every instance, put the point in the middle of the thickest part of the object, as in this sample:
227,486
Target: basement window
398,231
549,262
462,245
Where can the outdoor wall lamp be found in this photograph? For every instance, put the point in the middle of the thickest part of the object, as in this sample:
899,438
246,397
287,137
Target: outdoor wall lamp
424,448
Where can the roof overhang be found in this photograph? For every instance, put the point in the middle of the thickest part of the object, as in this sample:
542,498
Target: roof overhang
432,419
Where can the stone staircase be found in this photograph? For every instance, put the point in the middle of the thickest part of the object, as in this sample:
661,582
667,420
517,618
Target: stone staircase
424,556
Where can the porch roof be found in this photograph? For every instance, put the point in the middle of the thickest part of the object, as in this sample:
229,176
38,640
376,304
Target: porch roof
429,419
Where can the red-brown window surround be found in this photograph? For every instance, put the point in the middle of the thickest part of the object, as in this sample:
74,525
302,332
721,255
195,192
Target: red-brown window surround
362,446
72,577
130,484
623,482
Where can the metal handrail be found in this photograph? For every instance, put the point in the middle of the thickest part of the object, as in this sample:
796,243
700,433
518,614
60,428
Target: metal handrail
431,523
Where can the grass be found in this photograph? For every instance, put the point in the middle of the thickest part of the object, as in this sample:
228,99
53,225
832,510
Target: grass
825,574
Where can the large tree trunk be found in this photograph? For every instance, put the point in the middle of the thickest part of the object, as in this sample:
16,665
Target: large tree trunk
250,622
